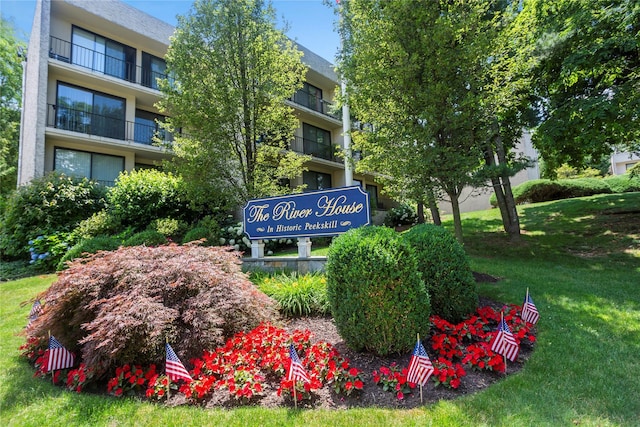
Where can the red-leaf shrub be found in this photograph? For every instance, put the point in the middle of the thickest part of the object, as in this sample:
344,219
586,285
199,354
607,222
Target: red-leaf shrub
119,307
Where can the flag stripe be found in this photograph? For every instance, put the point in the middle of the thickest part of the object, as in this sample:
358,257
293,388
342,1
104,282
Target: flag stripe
529,311
505,343
59,357
174,368
296,370
420,367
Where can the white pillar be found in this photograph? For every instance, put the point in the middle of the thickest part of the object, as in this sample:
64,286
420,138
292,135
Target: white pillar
346,132
304,247
257,249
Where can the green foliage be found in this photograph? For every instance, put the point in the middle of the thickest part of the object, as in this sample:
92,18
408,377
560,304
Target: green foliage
46,251
569,172
543,190
142,196
377,296
169,227
623,183
147,238
54,203
236,70
445,271
10,99
587,79
207,228
88,246
401,215
297,294
99,224
119,307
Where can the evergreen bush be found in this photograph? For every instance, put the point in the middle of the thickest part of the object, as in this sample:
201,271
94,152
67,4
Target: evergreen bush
89,246
377,296
52,204
102,223
544,190
147,238
623,183
122,306
445,271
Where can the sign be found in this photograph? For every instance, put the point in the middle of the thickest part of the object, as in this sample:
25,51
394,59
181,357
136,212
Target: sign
319,213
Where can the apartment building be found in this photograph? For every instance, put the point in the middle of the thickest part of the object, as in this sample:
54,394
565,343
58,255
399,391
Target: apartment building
91,88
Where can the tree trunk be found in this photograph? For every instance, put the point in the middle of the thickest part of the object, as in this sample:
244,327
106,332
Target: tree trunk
513,226
433,207
457,220
421,213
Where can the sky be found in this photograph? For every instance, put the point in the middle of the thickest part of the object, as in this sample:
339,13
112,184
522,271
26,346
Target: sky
310,22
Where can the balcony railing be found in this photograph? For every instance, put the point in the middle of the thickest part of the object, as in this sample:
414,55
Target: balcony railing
93,60
308,146
65,118
313,102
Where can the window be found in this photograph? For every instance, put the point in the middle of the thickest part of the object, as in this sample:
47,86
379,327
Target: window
147,127
86,111
99,167
317,142
316,180
100,54
310,96
373,196
153,68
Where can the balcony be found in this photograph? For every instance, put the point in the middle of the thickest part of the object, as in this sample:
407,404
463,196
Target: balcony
308,146
313,102
68,119
96,61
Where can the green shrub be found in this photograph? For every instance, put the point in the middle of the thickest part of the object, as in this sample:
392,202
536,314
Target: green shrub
141,196
445,271
297,294
623,183
207,228
46,251
101,223
400,215
48,205
88,246
544,190
377,296
147,238
121,306
169,227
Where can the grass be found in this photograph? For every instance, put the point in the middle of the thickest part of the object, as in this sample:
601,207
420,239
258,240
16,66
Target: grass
580,259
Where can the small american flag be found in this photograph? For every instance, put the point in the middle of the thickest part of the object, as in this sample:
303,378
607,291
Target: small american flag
296,370
529,311
174,367
36,310
59,357
505,343
420,367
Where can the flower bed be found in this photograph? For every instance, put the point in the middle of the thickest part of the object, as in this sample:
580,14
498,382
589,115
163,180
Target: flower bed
251,367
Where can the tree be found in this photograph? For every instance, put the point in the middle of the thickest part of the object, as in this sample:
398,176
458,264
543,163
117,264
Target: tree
231,71
10,98
411,68
588,79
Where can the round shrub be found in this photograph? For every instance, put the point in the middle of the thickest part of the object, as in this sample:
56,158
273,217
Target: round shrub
89,246
101,223
52,204
141,196
445,271
400,215
121,306
147,238
377,297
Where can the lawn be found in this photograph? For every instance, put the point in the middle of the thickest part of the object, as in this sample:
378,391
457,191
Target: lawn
580,259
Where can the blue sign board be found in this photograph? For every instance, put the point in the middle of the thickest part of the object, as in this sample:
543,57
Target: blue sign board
319,213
